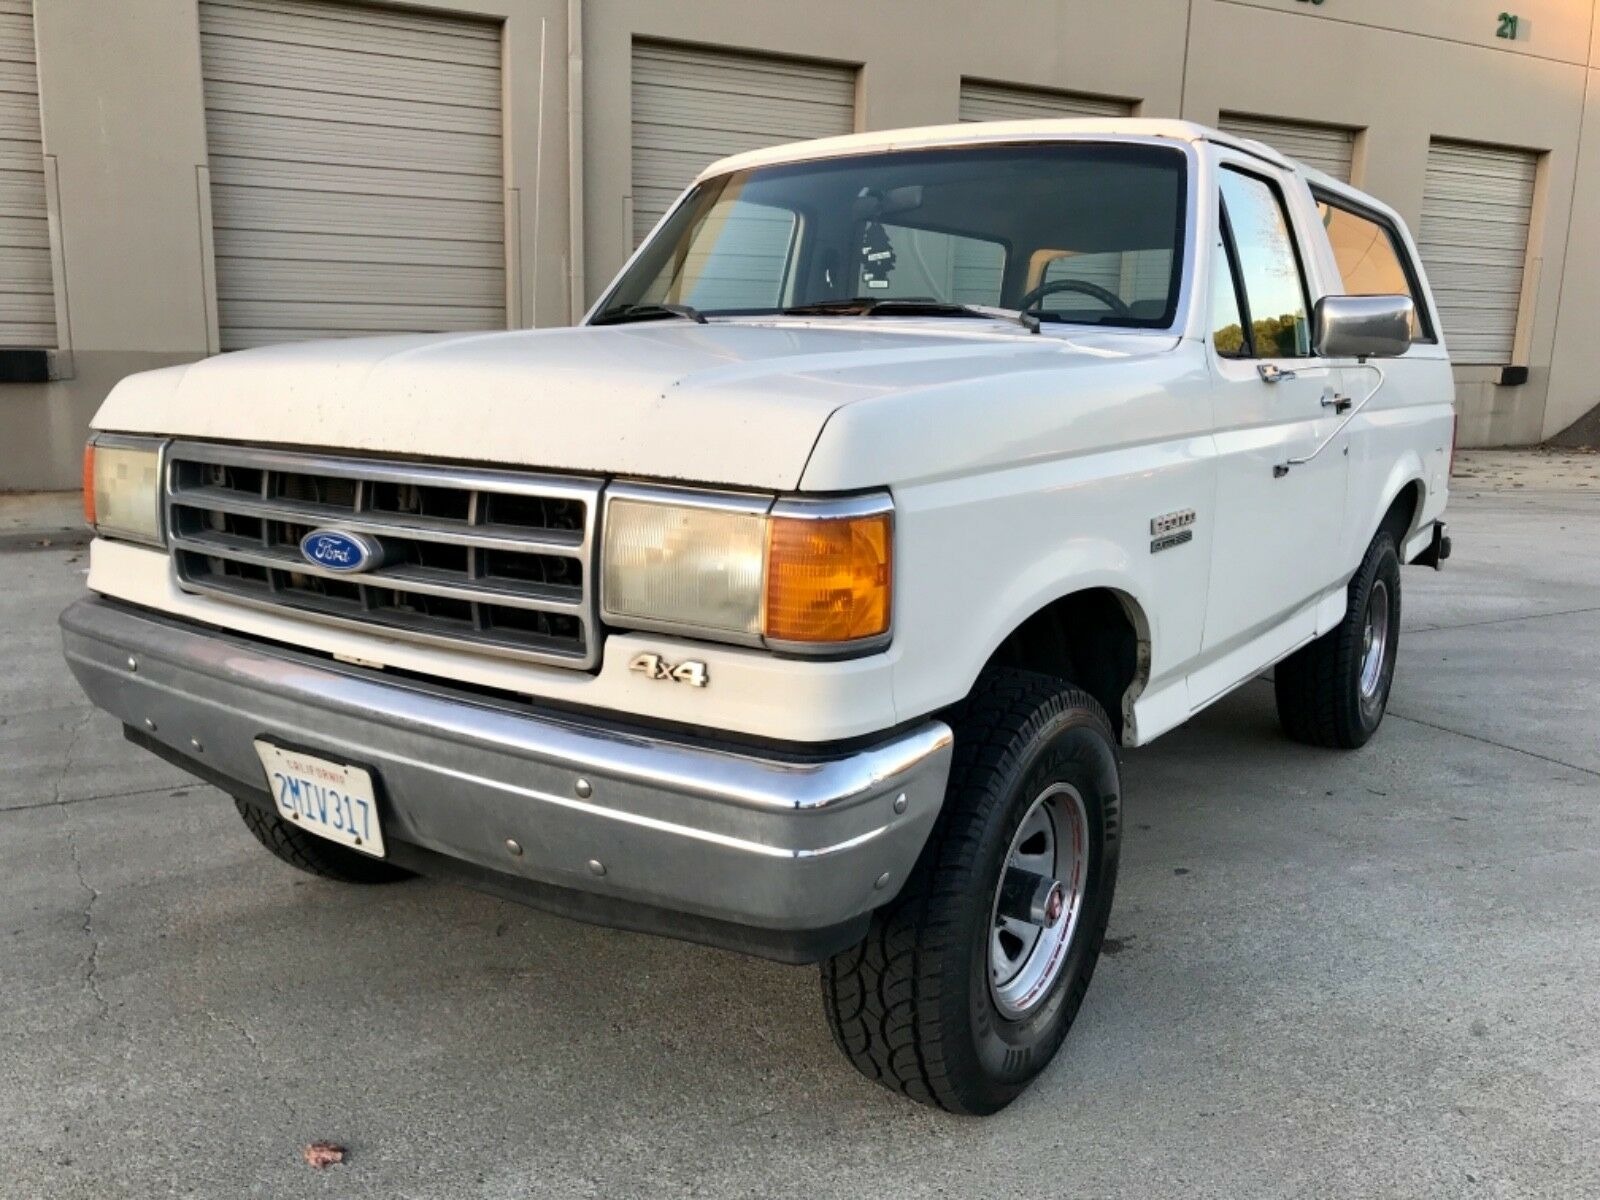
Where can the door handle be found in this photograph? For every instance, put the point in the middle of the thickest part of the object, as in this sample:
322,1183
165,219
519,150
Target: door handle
1333,399
1272,373
1337,401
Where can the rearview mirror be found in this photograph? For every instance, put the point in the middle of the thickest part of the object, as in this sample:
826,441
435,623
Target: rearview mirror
1363,326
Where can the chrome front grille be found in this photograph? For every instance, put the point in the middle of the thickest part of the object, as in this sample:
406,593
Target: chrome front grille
496,560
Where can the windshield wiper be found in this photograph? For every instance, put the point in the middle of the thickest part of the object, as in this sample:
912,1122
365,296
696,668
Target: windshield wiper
873,306
649,312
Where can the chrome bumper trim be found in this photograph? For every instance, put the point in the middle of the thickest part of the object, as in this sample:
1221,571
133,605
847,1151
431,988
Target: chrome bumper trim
761,840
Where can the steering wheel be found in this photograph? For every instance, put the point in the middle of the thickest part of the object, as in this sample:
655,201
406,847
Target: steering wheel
1107,297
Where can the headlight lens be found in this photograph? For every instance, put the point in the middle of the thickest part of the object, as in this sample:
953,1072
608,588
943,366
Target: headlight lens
799,575
122,488
684,566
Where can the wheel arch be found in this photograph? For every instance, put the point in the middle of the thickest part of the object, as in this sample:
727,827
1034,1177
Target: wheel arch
1098,637
1402,501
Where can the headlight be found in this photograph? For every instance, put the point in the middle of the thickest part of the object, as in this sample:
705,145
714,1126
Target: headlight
122,487
806,576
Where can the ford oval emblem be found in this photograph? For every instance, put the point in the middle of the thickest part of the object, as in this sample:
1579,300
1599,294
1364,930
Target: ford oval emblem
335,550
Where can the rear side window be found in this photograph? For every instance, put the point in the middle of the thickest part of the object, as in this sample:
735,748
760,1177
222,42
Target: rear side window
1371,259
1267,263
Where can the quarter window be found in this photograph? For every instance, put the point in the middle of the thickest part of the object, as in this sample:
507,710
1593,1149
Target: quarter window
1369,258
1269,267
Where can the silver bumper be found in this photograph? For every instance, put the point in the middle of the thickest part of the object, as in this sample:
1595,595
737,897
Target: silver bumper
777,843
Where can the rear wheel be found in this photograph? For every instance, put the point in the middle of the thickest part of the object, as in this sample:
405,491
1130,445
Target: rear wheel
314,855
1335,691
967,982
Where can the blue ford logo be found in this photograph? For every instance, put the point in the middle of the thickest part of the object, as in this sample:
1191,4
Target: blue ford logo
336,551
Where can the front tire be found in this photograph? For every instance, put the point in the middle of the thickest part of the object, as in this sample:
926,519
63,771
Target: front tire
1335,691
315,855
951,999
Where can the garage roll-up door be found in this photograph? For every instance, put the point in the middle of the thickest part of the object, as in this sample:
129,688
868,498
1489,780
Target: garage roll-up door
1477,202
356,170
693,106
1004,102
1328,148
27,294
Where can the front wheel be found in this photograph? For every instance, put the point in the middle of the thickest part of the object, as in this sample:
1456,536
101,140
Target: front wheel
966,984
314,855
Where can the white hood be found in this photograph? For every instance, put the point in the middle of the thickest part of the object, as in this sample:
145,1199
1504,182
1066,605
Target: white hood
734,403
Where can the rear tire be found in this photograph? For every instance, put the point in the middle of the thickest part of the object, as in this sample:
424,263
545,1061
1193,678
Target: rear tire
314,855
935,1002
1335,691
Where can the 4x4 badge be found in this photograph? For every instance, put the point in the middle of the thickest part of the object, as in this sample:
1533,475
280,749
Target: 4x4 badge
653,666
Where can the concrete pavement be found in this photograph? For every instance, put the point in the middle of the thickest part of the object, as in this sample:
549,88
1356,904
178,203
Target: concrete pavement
1330,974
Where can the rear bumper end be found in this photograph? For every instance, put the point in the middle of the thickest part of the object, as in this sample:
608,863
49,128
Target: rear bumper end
783,854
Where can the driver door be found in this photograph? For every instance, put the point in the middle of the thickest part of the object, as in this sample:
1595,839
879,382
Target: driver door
1278,525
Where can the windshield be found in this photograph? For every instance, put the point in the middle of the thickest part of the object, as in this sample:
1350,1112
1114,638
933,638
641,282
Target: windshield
1080,232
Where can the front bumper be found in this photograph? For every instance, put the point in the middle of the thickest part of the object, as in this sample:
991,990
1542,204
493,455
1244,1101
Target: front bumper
778,854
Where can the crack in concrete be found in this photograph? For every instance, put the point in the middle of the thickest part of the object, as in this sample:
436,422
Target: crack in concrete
72,750
1473,737
1568,612
91,969
262,1062
179,786
229,1023
91,972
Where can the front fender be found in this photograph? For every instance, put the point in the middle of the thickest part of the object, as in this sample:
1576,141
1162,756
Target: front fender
980,555
1085,565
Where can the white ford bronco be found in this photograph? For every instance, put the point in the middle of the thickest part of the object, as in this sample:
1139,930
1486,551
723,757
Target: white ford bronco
800,601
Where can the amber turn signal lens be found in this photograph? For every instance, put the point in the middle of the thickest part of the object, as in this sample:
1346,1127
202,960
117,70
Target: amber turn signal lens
88,485
828,578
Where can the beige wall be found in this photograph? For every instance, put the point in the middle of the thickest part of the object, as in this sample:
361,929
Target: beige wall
1453,79
124,125
124,130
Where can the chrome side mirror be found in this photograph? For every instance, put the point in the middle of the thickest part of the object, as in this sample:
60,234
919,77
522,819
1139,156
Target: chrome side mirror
1363,326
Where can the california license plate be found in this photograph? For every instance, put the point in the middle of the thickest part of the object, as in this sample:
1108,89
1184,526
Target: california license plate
330,799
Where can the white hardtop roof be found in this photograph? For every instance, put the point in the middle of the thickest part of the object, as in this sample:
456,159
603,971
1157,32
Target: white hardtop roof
978,133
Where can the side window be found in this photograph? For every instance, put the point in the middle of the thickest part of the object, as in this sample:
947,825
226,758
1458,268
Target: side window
902,263
1369,256
1227,324
1269,267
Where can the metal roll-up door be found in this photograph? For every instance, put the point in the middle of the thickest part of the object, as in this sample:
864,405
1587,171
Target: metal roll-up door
27,289
1328,148
1477,202
1005,102
357,180
693,106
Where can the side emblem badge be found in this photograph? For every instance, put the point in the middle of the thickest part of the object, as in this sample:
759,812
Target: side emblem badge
653,666
1171,529
347,553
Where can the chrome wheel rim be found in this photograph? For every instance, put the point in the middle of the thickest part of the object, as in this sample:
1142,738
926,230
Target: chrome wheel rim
1375,640
1025,960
